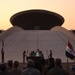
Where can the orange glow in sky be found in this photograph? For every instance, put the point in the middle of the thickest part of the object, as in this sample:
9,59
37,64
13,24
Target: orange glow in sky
63,7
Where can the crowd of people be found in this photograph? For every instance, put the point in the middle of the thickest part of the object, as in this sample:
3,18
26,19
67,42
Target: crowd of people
50,66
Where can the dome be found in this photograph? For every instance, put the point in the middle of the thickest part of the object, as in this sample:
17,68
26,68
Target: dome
36,19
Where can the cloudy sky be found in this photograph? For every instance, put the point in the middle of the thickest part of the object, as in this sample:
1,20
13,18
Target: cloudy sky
66,8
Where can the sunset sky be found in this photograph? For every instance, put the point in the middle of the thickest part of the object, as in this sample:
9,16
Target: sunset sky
65,8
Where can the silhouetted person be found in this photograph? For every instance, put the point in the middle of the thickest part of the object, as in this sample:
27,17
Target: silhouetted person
51,64
32,54
30,70
50,56
15,70
9,65
41,54
38,66
24,56
57,70
3,70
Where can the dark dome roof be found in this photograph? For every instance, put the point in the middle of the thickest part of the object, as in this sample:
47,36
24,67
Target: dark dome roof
36,19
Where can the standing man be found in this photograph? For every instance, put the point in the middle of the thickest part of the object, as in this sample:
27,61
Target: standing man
24,56
50,56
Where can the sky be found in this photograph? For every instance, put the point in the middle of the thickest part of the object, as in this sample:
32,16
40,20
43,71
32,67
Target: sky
65,8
